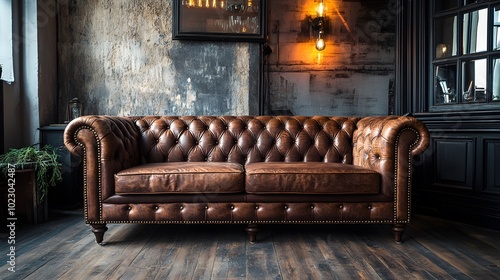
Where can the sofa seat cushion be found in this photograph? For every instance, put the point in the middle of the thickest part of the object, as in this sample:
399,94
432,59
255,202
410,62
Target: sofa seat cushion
310,178
181,177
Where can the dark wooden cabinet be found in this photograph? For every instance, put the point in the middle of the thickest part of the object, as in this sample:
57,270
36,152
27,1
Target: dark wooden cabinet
68,194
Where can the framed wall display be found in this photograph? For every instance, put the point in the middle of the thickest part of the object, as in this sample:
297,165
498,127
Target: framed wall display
222,20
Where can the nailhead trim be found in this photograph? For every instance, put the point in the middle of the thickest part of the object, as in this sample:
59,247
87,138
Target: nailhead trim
85,180
408,209
101,221
248,222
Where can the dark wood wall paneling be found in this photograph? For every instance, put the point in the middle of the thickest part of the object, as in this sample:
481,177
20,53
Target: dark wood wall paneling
459,174
458,177
1,116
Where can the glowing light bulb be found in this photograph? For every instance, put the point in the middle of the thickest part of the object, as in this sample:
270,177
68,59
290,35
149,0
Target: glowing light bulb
321,9
320,42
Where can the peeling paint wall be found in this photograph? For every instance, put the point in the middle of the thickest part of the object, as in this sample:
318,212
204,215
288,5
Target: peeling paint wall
119,58
352,76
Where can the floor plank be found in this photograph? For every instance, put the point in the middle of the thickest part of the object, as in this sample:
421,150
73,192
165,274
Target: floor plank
64,248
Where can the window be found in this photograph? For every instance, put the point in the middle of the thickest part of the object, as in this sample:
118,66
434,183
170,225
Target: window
6,51
466,54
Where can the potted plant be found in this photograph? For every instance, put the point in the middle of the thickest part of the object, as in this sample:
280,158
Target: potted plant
36,169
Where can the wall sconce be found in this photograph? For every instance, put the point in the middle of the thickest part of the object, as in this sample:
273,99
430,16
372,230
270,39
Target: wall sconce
317,25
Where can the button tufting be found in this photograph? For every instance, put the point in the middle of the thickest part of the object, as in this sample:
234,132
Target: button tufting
256,207
156,207
206,206
286,206
312,206
341,206
232,207
181,207
129,208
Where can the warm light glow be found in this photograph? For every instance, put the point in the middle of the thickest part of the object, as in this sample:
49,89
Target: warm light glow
319,59
320,44
321,9
320,41
441,50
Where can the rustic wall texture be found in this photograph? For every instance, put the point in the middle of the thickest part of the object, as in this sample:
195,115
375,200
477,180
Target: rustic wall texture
352,76
119,58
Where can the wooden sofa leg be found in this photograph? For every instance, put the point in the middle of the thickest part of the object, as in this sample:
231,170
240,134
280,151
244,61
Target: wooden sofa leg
252,230
398,230
99,231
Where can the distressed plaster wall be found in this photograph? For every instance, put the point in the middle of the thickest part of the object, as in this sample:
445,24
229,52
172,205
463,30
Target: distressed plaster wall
352,76
119,58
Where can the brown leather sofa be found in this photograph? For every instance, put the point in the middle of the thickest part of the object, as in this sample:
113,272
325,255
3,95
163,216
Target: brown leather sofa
247,170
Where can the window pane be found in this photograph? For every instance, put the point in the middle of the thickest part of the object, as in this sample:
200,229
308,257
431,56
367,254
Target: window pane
475,31
445,37
445,84
496,79
444,5
496,29
474,80
467,2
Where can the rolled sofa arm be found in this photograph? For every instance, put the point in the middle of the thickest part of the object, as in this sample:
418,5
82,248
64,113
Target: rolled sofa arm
107,145
388,144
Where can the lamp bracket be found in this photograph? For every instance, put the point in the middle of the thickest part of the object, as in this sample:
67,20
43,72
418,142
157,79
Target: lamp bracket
317,23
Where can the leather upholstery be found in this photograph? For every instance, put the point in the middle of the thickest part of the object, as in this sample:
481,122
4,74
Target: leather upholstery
241,212
181,177
310,178
246,139
110,145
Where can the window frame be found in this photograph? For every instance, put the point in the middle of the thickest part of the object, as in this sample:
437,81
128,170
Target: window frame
460,58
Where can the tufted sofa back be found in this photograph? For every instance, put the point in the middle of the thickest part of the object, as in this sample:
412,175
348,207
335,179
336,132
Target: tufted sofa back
246,139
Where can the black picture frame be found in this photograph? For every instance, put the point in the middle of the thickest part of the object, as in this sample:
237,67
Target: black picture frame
219,20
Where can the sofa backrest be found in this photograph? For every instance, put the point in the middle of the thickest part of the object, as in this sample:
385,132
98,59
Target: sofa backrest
246,139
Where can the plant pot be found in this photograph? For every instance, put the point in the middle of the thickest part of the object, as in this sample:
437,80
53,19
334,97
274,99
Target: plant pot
28,208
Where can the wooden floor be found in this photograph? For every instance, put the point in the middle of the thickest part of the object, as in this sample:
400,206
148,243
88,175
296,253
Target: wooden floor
64,248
